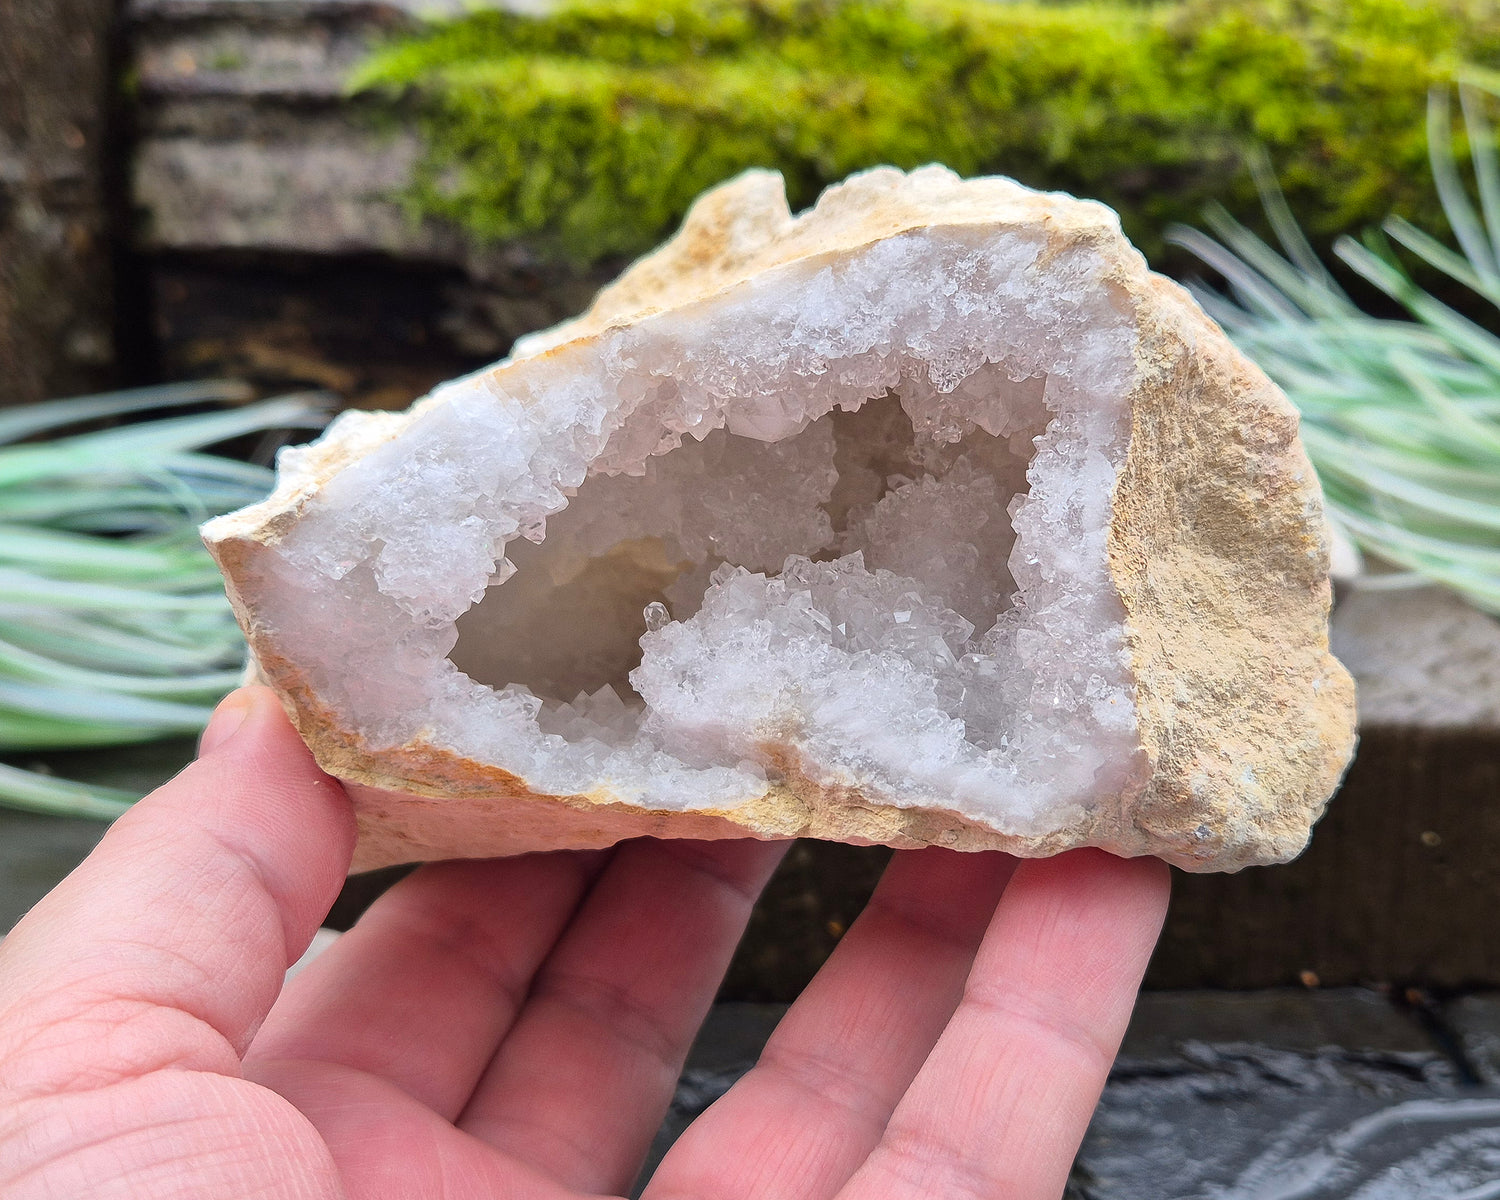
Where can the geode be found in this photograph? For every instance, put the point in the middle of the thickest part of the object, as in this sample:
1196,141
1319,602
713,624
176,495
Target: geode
929,516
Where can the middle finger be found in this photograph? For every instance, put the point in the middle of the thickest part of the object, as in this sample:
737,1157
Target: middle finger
801,1122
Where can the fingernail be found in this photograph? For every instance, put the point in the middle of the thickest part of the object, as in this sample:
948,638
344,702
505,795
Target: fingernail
227,718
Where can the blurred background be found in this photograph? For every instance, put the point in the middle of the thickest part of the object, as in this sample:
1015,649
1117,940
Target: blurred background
221,220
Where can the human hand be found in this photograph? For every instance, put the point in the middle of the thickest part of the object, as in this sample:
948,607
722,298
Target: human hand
515,1028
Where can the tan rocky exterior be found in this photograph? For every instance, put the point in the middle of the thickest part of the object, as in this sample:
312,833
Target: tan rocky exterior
1217,546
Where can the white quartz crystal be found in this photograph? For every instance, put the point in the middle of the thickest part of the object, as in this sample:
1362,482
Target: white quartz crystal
860,512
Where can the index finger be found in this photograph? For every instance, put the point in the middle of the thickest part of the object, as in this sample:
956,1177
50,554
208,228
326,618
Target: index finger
1002,1102
168,944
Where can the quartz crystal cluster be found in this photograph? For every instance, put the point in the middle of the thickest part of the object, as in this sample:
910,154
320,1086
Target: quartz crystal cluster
893,521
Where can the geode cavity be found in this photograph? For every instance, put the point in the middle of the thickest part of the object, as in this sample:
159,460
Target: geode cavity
927,516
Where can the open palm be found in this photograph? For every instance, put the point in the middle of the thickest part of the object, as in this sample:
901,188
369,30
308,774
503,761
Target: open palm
515,1028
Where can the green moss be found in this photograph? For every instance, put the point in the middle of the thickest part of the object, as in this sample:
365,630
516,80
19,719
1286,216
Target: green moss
227,60
589,131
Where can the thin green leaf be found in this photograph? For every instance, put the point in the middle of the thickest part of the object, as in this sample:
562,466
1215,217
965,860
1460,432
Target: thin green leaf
23,588
28,420
1486,162
1435,254
1288,232
175,434
1457,207
28,666
54,797
80,704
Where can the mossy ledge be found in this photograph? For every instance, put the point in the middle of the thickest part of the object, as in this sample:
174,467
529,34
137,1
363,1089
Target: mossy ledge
588,131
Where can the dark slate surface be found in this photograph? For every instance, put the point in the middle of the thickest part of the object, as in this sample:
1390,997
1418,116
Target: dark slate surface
1248,1122
1289,1095
1282,1095
1475,1024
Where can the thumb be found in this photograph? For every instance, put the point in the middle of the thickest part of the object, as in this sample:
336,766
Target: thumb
169,943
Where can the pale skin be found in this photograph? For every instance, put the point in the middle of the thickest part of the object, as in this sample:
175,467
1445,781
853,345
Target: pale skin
514,1028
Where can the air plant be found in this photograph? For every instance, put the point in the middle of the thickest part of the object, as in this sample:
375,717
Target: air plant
1401,417
114,627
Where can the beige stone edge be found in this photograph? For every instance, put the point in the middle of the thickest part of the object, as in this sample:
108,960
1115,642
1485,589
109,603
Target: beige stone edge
1246,715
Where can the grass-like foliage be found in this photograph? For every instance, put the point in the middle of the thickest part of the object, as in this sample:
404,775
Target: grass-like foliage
588,129
1400,417
114,627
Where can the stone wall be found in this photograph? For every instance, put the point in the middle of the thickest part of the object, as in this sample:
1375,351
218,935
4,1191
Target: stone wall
56,295
267,209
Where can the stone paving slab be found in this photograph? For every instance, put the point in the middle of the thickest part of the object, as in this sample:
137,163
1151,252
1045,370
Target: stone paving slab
1422,658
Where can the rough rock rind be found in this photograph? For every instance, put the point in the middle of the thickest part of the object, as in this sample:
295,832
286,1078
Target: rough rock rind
1216,546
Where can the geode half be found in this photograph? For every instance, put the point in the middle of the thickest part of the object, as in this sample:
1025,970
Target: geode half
929,516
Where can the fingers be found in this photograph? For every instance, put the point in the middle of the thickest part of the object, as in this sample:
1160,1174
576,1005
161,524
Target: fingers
169,943
1002,1103
816,1104
421,991
579,1087
387,1146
